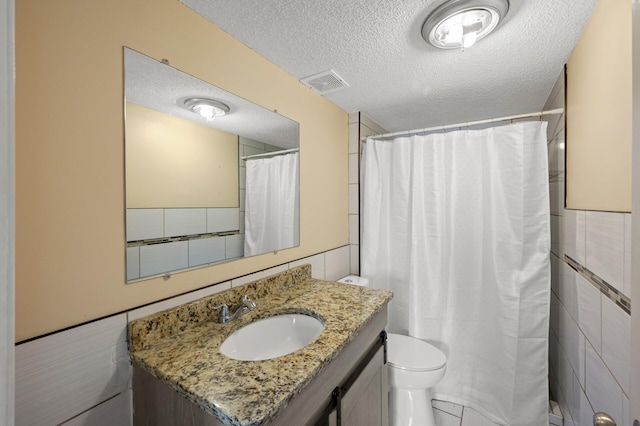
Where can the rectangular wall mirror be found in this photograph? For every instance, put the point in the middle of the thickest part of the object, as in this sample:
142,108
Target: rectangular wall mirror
210,177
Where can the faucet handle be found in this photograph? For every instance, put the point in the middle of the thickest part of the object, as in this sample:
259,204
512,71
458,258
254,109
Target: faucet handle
224,312
248,302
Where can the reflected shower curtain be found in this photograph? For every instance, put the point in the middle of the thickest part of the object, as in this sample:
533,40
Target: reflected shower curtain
272,215
457,226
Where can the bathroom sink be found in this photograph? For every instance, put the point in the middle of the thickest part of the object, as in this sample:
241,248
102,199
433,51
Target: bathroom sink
272,337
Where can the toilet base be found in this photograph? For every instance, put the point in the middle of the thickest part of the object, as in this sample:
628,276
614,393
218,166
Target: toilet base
410,407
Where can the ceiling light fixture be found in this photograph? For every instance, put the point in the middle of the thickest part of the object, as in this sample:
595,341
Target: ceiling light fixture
206,108
458,24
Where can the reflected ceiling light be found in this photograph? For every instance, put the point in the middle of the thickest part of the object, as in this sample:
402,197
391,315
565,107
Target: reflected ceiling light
458,24
207,108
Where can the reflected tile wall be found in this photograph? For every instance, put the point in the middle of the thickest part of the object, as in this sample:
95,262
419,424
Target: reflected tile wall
360,126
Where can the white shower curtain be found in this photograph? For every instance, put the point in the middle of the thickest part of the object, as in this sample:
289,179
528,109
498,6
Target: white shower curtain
272,210
457,226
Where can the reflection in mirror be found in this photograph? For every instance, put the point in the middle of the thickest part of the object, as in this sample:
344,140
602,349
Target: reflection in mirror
210,177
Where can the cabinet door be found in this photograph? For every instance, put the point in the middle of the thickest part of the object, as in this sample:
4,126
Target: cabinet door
366,402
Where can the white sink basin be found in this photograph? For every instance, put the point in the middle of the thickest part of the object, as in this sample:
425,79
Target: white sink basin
272,337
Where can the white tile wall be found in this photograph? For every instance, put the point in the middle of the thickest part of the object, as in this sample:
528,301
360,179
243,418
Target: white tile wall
554,321
555,235
223,219
241,219
589,312
252,143
179,222
355,259
354,229
573,235
354,207
627,255
206,250
353,135
115,411
554,261
337,263
243,193
585,411
317,265
159,258
148,260
359,126
133,263
234,246
555,130
143,224
573,349
565,376
61,376
573,411
589,350
555,199
353,168
242,179
250,150
605,246
602,390
616,342
626,413
567,288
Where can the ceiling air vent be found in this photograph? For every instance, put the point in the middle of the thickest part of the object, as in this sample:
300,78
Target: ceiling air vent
324,82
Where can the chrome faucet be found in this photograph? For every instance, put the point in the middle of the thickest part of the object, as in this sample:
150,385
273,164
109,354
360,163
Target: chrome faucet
247,305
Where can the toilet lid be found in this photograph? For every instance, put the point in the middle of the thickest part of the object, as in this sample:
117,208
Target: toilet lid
409,353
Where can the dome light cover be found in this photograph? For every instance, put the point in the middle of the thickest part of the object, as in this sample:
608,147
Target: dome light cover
458,24
206,108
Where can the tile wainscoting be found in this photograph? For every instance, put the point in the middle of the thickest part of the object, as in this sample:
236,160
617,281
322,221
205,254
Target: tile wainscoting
82,375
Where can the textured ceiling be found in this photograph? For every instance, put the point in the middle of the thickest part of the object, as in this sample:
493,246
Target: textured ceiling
395,77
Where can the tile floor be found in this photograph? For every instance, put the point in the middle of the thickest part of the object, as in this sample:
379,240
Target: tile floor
450,414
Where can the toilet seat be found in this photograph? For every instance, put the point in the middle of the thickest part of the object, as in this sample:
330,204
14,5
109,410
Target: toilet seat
412,354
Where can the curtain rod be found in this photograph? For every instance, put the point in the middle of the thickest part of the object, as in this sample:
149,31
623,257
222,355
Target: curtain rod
468,124
270,154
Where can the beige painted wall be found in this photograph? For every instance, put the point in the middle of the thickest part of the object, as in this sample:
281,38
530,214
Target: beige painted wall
70,244
599,112
172,162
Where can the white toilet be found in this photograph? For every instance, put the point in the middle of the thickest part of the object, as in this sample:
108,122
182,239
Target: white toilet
414,366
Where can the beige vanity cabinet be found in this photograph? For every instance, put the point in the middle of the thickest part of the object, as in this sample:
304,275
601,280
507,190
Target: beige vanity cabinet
350,391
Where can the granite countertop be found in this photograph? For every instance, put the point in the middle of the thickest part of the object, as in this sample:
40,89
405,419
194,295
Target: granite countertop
180,346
